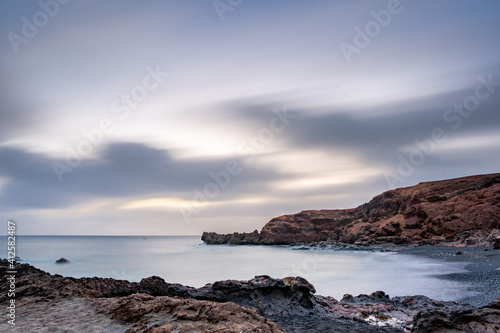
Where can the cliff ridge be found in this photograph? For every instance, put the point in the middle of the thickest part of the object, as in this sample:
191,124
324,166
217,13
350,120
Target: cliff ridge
461,211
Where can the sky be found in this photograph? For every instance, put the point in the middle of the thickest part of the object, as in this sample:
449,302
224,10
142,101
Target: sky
177,117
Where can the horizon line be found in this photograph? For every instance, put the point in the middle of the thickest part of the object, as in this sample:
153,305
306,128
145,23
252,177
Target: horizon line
104,235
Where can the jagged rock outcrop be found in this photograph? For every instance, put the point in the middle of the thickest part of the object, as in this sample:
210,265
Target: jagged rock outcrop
484,319
287,296
463,210
150,314
236,238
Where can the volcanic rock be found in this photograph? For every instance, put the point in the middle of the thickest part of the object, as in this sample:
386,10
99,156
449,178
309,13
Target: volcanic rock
62,261
232,239
172,314
484,319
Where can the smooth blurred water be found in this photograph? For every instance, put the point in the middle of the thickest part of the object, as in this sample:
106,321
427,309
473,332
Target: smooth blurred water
187,260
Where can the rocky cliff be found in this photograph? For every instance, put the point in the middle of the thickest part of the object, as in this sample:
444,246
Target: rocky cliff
463,210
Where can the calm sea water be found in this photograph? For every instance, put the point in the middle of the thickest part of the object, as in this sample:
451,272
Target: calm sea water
188,261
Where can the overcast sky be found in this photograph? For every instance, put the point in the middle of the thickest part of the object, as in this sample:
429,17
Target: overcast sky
178,117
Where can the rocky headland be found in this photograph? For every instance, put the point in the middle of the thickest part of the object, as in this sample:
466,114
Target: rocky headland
53,303
461,211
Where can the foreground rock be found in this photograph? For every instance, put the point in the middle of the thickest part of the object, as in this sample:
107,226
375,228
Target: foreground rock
262,304
463,210
485,319
171,314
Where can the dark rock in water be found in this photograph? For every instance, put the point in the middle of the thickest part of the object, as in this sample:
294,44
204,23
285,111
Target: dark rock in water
458,253
428,213
231,239
62,261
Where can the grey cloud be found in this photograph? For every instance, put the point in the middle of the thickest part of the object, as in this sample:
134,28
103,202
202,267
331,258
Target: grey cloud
15,117
122,170
379,135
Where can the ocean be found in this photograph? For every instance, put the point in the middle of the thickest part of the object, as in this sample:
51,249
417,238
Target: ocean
186,260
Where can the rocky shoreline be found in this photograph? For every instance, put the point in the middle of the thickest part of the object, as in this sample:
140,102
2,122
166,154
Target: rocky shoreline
459,212
454,220
52,303
482,265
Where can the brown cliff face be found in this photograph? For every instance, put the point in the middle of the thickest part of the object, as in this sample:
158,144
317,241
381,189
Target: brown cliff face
463,210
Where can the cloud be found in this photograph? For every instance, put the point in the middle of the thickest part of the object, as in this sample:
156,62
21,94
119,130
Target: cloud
377,136
121,170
